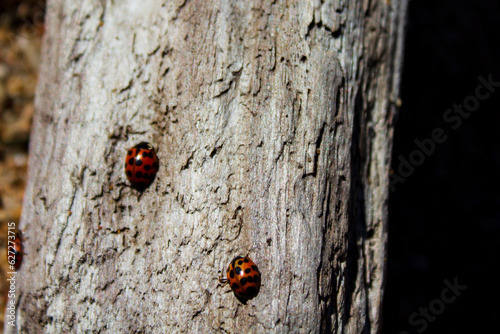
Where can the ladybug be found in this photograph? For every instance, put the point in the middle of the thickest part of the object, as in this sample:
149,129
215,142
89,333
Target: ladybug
17,258
243,277
141,165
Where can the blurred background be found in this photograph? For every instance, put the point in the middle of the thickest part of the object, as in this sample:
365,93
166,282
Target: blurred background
444,218
21,29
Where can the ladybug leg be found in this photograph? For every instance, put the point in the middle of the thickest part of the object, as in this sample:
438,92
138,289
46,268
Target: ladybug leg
223,280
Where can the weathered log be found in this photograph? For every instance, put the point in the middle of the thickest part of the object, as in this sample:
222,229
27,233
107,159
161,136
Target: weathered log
272,121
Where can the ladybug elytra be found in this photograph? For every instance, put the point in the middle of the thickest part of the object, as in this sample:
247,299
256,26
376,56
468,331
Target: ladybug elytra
244,278
141,165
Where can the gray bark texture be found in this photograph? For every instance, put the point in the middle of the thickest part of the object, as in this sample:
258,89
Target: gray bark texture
273,125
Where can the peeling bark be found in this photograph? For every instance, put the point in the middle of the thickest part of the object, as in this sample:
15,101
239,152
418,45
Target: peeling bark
273,126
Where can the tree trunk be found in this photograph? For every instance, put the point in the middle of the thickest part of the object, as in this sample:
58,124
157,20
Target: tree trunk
273,125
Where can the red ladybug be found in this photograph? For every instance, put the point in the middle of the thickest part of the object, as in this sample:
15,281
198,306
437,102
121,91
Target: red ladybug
244,278
17,258
141,165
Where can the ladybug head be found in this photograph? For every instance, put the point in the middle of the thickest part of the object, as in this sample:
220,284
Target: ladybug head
144,146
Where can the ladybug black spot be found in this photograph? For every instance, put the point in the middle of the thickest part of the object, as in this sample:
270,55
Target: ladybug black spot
237,270
231,274
129,152
246,260
250,279
147,167
138,175
243,281
251,292
138,162
146,176
244,296
248,270
240,262
255,268
235,286
129,173
131,161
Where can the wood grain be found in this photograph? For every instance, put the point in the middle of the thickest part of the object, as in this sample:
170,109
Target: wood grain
272,121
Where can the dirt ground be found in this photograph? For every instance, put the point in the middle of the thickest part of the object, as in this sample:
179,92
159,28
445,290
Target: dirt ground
21,30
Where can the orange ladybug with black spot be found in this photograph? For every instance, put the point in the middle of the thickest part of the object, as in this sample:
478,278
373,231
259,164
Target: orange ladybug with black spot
141,165
244,278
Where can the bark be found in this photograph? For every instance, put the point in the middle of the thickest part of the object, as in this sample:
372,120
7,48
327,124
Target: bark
273,126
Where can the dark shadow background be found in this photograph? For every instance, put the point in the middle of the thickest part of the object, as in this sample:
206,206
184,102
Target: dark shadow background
444,220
